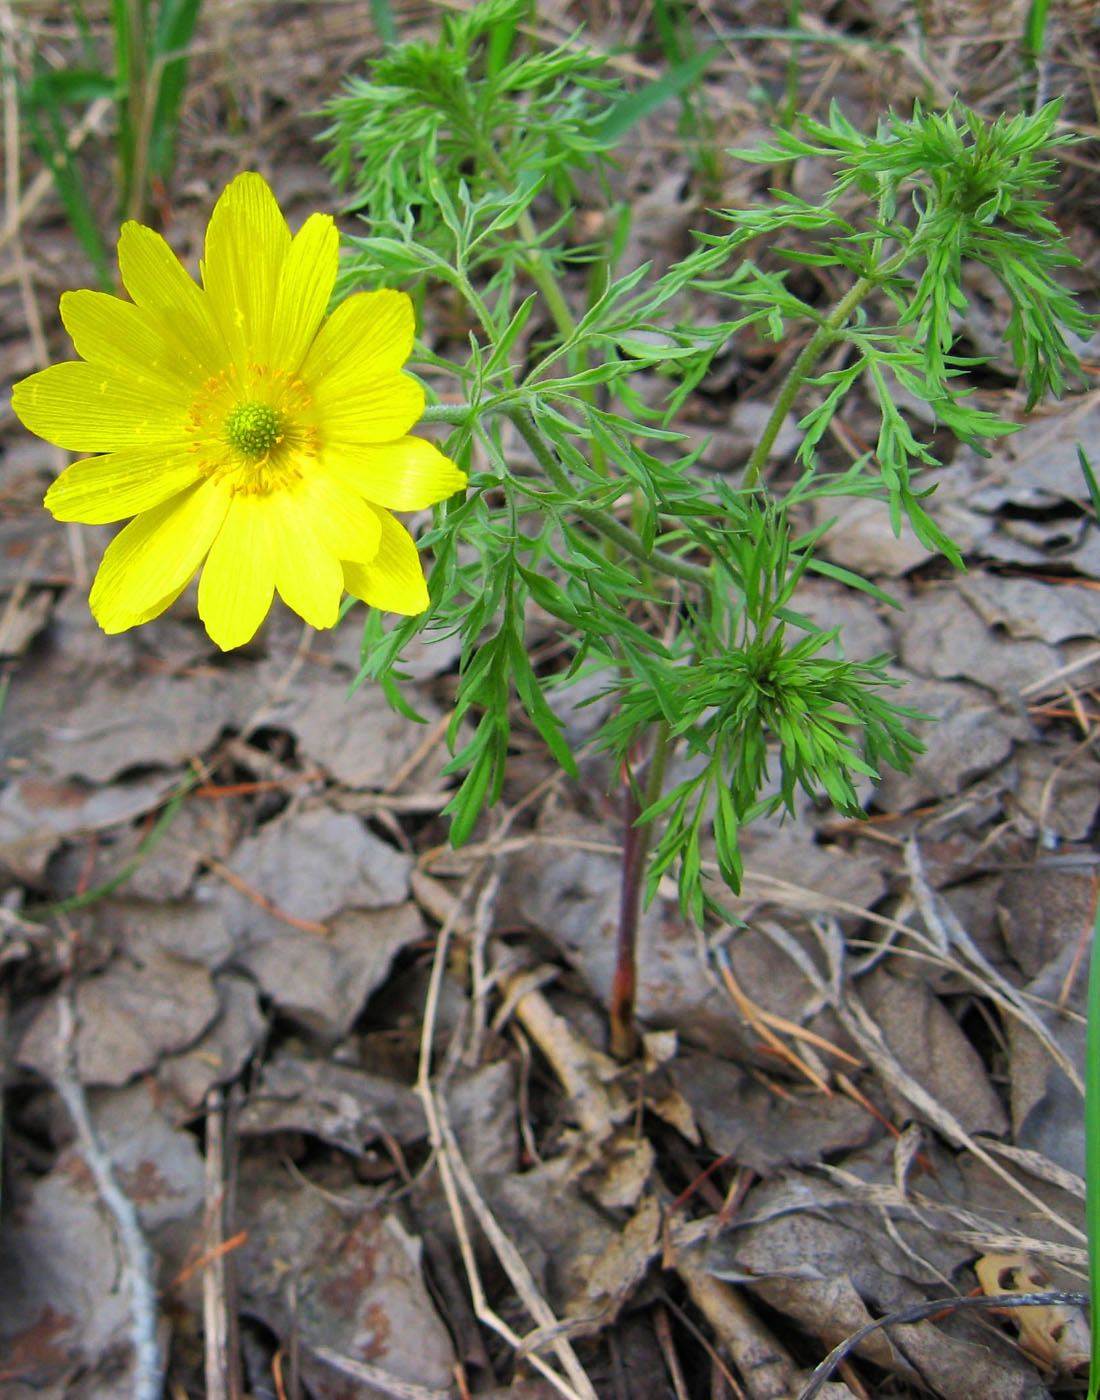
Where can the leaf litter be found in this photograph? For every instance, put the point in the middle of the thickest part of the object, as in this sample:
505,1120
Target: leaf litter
864,1096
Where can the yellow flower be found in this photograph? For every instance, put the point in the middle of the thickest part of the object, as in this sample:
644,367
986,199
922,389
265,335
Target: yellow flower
242,427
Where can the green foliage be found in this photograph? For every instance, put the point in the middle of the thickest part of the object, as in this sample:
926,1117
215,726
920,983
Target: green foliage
465,101
1092,1086
949,188
145,79
680,591
44,105
745,691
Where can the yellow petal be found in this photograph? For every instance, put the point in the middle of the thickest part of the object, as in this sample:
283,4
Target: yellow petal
305,287
159,284
238,578
151,561
247,241
100,490
118,336
369,334
337,517
89,409
307,574
155,609
407,474
371,411
394,579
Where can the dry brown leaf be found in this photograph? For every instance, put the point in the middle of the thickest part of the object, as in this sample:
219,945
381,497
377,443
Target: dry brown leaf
128,1017
335,1103
342,1275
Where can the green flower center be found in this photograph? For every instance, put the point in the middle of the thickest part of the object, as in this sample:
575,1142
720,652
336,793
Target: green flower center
253,429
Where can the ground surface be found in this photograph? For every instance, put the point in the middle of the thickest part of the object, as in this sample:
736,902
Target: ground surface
865,1097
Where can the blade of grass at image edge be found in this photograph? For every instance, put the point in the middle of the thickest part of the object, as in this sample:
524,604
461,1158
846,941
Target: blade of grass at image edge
1092,1085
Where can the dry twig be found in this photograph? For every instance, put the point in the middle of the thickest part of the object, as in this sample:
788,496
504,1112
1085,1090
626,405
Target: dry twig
137,1258
223,1374
455,1179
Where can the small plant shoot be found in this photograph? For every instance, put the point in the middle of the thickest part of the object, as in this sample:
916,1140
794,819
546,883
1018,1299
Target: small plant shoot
677,585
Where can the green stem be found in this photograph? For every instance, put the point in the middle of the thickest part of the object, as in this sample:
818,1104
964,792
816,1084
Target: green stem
456,413
1092,1149
811,352
543,276
541,273
602,520
144,850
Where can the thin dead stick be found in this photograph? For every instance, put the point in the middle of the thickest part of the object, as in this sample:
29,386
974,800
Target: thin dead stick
11,186
668,1350
988,1236
597,1102
1041,1167
375,1376
22,586
587,1075
813,903
749,1011
260,900
946,931
767,1371
1049,681
451,1169
21,209
420,753
267,710
223,1379
138,1260
480,982
863,1029
518,1274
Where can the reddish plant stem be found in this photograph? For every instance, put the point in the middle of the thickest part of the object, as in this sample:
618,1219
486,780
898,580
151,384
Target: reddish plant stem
636,838
624,982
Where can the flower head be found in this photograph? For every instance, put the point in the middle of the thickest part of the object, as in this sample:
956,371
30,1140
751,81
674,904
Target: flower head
245,431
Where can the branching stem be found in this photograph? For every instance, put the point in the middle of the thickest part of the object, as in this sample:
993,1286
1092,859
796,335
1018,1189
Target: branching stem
603,520
541,273
809,355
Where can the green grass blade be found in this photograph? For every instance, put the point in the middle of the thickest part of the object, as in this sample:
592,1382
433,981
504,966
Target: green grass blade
629,110
1092,1083
176,25
1090,479
381,12
668,23
129,83
1032,42
50,140
502,38
853,580
1092,1143
794,70
1035,29
52,88
160,828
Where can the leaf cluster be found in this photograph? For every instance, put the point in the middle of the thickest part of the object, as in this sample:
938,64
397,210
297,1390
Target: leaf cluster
944,189
585,507
471,108
745,698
